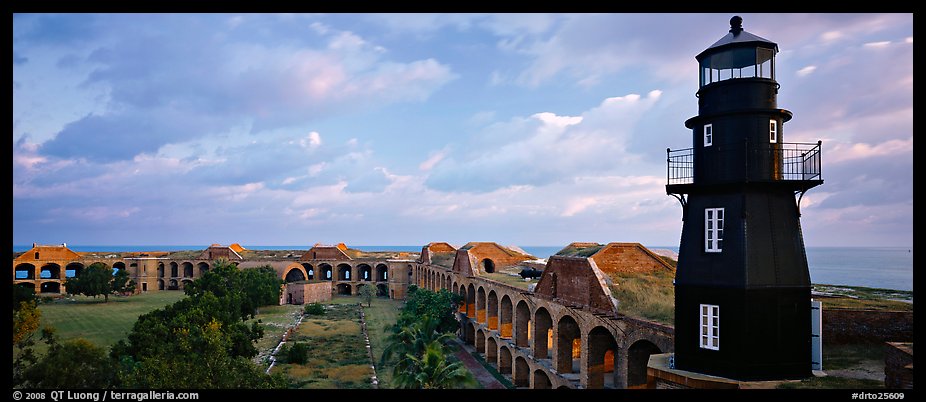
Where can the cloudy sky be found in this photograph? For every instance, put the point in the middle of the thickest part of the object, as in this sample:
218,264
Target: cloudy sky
402,129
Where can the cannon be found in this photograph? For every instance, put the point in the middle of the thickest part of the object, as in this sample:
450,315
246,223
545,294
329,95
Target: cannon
530,273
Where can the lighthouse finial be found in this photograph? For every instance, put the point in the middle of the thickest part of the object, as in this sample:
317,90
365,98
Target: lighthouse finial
736,24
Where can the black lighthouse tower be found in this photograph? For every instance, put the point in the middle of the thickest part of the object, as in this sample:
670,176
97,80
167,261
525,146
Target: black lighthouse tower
742,287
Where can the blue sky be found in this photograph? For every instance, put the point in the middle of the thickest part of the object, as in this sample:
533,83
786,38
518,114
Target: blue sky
402,129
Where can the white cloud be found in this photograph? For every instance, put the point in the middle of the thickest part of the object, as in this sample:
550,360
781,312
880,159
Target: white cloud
432,160
806,71
876,45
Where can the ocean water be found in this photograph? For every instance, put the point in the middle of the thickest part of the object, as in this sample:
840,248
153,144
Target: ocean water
875,267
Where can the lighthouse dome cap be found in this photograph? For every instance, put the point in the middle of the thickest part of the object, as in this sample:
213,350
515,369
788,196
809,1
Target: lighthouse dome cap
737,37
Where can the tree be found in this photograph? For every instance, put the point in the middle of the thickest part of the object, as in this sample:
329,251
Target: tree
244,290
122,284
435,371
367,293
96,280
74,364
26,319
440,306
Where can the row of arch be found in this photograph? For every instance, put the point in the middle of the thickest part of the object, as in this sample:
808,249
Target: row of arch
173,274
525,336
361,272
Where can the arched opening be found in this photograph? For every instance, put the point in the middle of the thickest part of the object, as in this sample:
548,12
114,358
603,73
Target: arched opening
541,380
359,287
543,332
382,290
382,273
294,275
480,342
410,279
470,334
161,270
160,284
173,285
487,265
568,345
481,305
521,373
471,301
492,310
365,272
74,269
492,351
344,289
325,271
202,268
505,317
50,271
174,269
51,287
185,282
117,266
309,270
27,285
637,358
504,360
187,269
449,284
343,272
601,363
462,299
522,329
25,271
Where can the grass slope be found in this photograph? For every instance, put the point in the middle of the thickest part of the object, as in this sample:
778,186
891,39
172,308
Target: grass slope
102,324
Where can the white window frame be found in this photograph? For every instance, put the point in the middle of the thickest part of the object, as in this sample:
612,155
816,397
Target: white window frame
773,131
713,230
709,325
708,134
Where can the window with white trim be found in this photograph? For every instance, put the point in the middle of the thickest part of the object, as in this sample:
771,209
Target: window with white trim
773,131
713,230
710,327
708,134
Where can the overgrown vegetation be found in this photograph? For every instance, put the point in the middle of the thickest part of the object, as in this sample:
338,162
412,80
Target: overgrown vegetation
333,350
649,296
418,341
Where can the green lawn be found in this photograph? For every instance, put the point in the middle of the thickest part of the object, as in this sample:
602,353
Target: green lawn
103,324
381,314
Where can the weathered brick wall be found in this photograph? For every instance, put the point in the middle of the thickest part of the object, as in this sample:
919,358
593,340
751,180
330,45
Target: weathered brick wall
898,365
494,252
573,281
324,253
871,326
627,258
304,293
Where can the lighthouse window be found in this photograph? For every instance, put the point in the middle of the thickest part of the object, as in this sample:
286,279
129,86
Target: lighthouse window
708,134
710,327
713,230
772,131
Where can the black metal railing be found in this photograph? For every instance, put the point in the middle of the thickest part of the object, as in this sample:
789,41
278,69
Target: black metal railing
745,162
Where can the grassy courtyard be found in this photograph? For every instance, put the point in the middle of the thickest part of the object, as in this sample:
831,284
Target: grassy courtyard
102,324
338,356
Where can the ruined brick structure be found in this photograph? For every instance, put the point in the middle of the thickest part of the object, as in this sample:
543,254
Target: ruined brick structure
45,268
567,333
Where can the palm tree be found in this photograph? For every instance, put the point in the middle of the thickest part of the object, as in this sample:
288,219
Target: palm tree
421,352
435,371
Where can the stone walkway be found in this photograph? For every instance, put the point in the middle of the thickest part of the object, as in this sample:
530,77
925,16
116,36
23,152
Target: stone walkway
485,378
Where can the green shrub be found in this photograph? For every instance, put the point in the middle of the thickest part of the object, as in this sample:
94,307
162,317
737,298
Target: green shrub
315,309
298,353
